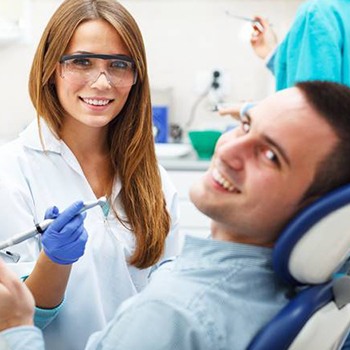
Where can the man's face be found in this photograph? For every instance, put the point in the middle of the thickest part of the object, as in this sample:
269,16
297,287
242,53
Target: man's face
262,168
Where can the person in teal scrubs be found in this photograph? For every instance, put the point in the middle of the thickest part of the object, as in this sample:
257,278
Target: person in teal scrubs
317,47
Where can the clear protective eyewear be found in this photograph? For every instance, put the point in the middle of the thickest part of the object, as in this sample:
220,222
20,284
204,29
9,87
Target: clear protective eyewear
120,70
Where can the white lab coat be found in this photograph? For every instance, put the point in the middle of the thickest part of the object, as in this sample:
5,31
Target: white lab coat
30,182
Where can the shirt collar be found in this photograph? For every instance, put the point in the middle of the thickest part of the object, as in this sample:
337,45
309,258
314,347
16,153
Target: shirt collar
210,251
30,138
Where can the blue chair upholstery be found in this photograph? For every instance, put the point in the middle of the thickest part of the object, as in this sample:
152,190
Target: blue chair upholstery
309,254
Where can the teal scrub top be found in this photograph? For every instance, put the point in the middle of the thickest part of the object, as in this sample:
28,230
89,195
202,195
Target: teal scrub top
317,47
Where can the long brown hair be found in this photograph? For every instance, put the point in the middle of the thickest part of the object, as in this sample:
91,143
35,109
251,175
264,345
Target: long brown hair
130,135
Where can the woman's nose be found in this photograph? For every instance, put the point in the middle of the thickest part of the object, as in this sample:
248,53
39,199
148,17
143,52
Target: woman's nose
102,82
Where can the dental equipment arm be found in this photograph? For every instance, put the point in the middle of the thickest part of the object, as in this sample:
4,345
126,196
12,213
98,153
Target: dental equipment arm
41,227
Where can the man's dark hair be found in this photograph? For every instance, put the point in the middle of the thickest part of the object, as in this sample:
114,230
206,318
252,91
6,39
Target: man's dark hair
332,102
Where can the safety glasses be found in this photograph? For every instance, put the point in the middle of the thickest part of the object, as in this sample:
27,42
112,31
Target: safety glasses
120,70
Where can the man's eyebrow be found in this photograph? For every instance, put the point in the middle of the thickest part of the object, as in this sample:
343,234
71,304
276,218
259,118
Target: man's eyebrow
269,140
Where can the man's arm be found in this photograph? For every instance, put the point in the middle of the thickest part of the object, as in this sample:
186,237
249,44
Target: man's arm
150,325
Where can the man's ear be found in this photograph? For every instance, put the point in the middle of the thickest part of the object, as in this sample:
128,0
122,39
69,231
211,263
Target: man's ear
307,201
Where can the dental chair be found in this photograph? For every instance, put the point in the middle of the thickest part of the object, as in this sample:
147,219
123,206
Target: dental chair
309,254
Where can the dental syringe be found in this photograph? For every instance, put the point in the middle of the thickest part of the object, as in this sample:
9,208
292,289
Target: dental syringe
41,227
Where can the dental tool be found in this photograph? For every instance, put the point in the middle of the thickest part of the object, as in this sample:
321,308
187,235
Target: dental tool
254,22
10,255
41,227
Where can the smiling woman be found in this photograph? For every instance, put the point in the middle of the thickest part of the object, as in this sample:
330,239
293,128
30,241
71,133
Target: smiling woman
92,138
91,86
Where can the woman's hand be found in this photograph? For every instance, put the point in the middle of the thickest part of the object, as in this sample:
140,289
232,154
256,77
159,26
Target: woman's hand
65,239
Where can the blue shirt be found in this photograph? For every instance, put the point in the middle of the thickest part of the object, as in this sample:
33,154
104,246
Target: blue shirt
317,47
216,295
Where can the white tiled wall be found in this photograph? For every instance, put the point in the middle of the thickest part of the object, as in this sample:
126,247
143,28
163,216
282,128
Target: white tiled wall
182,37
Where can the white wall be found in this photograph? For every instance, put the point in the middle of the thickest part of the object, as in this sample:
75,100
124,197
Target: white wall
182,38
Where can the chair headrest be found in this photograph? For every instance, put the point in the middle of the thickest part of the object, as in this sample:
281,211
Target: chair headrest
315,243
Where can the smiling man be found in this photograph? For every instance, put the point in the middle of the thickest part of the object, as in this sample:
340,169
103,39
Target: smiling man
290,149
262,169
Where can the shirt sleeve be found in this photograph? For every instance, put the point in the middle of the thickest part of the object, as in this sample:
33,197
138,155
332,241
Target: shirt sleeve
270,61
20,338
312,50
152,325
43,317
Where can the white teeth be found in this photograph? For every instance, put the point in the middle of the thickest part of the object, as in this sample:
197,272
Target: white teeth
95,102
222,181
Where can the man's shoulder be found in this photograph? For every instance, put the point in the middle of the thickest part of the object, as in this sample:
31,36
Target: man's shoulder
154,323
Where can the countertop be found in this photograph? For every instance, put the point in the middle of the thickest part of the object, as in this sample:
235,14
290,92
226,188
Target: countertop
189,162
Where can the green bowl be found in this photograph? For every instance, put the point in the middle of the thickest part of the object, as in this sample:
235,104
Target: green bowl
204,141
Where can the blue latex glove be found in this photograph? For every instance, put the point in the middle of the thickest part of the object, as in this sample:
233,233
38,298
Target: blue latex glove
65,239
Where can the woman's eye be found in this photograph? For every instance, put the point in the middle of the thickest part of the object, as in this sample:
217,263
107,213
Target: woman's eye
119,65
81,62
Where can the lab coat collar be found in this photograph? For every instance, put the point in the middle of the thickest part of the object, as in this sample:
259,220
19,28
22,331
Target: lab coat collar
30,138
